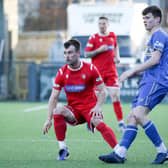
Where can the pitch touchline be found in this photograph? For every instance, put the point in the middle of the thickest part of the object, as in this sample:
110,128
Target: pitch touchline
42,107
35,108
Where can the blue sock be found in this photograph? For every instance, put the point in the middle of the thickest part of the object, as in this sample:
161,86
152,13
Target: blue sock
129,136
152,133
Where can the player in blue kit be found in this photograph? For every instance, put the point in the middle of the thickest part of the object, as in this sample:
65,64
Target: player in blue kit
152,89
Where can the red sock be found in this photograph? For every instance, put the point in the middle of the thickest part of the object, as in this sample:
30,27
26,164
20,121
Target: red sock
59,126
118,110
107,134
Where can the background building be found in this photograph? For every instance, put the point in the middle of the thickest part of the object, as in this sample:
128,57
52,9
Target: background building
28,31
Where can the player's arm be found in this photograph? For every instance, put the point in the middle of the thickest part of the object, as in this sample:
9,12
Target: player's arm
51,106
101,97
102,94
154,60
116,50
90,51
116,55
95,52
52,102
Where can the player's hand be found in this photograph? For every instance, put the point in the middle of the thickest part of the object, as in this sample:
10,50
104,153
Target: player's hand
125,75
47,126
116,60
96,113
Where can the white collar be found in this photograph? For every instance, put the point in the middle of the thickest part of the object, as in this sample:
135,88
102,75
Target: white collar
103,34
81,65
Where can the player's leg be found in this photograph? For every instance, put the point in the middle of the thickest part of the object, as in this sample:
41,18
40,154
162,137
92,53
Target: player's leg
145,101
156,94
152,133
130,130
105,131
61,115
119,154
114,93
149,96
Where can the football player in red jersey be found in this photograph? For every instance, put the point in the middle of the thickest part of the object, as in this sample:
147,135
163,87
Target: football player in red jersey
79,80
103,50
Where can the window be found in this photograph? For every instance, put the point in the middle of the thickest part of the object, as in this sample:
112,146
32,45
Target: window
124,43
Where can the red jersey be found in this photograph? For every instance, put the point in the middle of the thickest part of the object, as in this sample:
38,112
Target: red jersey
105,60
79,85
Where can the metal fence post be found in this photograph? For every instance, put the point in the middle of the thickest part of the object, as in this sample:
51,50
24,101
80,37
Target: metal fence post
33,82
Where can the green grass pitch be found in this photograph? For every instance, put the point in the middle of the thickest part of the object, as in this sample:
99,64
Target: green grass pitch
22,144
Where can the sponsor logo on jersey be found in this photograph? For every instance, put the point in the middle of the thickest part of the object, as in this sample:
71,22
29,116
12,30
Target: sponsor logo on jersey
110,47
148,53
111,39
67,76
75,88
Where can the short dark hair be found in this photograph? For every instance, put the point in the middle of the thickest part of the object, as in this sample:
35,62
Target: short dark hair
155,10
73,42
103,17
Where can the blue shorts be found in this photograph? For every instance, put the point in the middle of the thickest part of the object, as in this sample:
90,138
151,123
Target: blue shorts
149,95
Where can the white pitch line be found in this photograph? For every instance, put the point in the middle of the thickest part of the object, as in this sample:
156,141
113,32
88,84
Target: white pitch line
38,108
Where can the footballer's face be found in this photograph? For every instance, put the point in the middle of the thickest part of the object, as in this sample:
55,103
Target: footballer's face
103,26
71,55
150,21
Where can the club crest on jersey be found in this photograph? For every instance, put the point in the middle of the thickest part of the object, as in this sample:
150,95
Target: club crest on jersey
111,38
100,39
67,76
158,45
83,76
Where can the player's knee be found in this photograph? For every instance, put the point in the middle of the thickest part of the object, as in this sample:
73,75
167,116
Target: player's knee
139,117
58,110
115,97
106,92
131,119
96,121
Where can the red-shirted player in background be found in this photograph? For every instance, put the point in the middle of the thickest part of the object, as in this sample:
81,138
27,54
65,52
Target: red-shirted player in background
103,50
79,80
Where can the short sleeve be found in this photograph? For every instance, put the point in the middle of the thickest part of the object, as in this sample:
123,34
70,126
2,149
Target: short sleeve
158,41
90,43
115,39
58,83
96,76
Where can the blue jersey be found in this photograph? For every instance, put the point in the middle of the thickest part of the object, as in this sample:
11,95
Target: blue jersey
159,72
